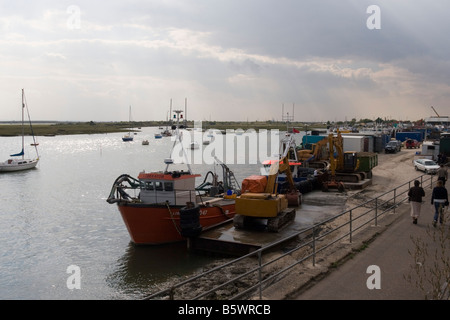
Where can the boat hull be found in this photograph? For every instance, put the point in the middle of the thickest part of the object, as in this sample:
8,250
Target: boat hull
18,166
158,224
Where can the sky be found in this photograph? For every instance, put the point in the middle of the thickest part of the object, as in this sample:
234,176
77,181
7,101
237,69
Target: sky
227,60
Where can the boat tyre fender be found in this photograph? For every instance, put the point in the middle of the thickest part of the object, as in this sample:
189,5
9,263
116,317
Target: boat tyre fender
190,221
176,174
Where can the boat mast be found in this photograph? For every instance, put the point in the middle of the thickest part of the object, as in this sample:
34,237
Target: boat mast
129,120
178,139
23,130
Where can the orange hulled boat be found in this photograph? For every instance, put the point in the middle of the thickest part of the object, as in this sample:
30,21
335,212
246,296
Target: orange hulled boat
167,206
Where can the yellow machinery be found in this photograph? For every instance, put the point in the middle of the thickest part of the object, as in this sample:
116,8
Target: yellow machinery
254,207
343,165
317,157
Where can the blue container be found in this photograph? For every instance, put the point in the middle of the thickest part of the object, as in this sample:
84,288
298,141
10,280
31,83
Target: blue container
403,136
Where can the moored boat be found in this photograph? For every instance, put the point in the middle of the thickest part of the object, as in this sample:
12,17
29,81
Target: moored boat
166,206
128,137
16,163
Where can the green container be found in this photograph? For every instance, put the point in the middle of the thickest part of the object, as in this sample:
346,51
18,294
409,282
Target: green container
444,145
367,161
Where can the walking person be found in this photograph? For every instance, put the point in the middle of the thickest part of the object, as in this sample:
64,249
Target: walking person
439,198
442,174
415,195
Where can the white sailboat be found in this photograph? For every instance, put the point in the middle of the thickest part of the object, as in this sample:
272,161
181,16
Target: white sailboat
18,161
128,136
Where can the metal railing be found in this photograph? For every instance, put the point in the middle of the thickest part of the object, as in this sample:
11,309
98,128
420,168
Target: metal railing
219,283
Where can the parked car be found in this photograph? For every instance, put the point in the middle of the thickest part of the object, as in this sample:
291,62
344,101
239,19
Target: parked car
426,165
393,146
412,144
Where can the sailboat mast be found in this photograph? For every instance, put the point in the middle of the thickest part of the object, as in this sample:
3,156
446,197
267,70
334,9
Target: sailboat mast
129,119
23,129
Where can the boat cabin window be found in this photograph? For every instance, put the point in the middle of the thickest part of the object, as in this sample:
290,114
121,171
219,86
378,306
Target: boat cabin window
168,186
158,185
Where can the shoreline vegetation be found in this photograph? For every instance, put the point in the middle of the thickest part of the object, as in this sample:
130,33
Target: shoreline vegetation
71,128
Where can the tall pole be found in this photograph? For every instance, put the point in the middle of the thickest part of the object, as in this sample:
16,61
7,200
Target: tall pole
23,131
170,112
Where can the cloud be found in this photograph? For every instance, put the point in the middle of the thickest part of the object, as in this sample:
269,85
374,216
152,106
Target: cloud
233,60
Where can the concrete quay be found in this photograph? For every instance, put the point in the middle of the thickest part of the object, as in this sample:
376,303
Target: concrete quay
374,266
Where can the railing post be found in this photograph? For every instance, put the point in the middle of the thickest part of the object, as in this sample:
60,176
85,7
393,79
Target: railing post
314,246
376,211
395,198
259,274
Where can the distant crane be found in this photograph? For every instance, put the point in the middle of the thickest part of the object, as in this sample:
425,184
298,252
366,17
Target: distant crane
435,111
442,123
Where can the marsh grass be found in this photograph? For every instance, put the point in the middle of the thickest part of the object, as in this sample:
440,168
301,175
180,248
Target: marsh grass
69,128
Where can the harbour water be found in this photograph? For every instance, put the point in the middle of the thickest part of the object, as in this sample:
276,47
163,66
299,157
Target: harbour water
56,217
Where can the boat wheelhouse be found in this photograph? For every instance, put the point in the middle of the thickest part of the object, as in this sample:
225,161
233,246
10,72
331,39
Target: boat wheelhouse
175,188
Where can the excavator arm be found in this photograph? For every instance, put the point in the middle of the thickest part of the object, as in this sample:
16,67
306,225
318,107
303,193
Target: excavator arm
276,168
285,168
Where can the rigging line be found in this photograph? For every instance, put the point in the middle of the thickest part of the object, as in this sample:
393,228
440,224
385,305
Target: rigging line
31,127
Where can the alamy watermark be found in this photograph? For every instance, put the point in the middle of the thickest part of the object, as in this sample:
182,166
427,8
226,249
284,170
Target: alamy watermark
230,147
74,280
74,20
374,20
374,280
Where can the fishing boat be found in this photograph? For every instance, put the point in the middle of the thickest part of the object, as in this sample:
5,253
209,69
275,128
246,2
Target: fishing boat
19,162
128,136
145,142
158,135
167,206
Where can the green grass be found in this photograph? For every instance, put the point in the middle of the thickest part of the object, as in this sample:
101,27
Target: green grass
70,128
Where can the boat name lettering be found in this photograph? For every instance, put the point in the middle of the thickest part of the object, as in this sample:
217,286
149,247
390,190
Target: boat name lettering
155,175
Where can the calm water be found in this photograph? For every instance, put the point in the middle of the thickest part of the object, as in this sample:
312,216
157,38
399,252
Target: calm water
56,216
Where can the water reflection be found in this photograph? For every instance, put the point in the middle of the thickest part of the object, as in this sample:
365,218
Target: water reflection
144,269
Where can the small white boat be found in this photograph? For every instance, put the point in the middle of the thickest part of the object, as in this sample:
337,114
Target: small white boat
19,164
145,142
128,136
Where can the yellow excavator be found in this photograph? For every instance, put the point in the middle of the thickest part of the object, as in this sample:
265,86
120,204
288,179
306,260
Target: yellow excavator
343,165
317,157
264,206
